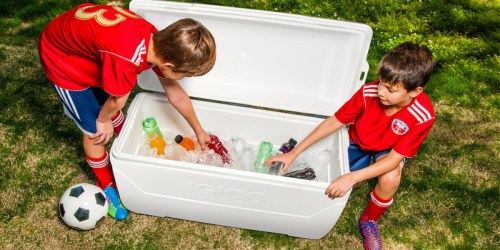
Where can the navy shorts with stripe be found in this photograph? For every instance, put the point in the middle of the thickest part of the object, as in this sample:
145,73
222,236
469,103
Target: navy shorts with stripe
83,106
359,158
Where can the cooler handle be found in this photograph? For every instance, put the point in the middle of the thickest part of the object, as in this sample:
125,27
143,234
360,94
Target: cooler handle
364,73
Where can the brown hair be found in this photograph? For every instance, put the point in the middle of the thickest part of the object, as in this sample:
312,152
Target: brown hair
188,45
410,64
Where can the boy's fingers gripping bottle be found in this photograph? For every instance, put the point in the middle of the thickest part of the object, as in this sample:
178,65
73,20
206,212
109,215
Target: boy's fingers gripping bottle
265,149
285,148
151,126
185,142
216,145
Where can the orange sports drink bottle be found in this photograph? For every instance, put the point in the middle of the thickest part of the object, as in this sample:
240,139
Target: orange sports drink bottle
185,142
157,142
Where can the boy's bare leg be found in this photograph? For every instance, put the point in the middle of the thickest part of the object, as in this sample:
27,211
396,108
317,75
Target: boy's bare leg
380,200
388,183
91,150
97,156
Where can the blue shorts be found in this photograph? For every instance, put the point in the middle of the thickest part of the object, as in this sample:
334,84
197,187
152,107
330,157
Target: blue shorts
359,159
83,106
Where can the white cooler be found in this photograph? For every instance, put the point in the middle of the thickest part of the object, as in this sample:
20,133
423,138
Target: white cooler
299,69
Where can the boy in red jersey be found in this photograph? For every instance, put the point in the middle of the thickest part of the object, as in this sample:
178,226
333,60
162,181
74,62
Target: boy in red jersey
93,53
389,119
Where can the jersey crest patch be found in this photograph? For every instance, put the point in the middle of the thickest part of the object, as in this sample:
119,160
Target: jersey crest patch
399,127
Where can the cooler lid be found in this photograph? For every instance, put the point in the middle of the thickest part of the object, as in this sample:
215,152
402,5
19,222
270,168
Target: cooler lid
267,59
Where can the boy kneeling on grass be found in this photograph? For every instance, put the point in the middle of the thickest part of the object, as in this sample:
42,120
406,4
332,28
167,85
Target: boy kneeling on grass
93,53
389,119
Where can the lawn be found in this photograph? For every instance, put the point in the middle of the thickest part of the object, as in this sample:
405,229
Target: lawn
449,195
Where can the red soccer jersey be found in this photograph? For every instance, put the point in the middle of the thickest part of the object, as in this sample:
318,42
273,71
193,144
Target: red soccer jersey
96,45
373,130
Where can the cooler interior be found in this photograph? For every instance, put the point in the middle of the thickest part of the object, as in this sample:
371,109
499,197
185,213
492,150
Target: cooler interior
226,121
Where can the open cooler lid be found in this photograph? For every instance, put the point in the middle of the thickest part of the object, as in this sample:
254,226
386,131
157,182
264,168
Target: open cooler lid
267,59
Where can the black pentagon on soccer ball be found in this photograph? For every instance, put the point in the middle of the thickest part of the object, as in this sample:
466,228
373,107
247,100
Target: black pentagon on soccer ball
100,199
76,191
61,209
82,214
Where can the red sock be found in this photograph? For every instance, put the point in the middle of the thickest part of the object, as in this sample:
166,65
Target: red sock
376,207
102,170
118,120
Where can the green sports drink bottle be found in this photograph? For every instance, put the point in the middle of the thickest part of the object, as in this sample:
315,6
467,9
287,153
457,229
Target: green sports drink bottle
265,150
150,126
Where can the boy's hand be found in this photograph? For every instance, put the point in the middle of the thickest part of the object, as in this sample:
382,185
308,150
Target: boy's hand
286,159
104,132
340,186
203,138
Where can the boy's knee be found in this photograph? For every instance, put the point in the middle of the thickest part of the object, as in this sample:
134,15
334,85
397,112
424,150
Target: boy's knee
390,180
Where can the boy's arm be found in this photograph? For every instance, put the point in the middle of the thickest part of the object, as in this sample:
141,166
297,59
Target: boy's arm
182,103
325,128
104,127
340,186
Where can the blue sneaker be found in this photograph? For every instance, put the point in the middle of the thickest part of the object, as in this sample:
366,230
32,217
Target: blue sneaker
115,209
370,233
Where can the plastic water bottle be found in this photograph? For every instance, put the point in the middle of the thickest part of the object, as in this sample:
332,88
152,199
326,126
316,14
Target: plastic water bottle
216,145
151,126
247,158
238,144
169,135
323,165
265,149
171,150
285,148
235,145
185,142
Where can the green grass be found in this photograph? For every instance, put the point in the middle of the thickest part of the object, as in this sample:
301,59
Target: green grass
449,196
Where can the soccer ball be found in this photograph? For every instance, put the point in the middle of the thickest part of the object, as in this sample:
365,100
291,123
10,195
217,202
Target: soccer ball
82,206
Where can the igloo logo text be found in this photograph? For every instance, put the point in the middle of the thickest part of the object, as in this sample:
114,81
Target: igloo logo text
225,192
